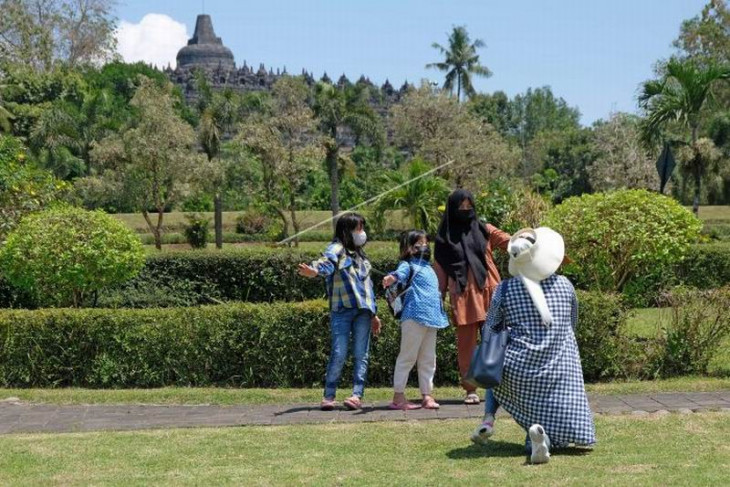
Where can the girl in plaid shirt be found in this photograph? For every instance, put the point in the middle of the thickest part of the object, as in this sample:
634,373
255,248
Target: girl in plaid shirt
353,312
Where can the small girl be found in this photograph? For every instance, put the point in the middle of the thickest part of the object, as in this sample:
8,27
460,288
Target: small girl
423,315
352,306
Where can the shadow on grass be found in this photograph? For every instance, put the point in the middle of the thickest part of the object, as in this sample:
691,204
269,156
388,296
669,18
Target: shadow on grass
491,449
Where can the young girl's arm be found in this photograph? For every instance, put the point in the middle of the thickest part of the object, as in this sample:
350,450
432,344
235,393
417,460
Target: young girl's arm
401,274
325,265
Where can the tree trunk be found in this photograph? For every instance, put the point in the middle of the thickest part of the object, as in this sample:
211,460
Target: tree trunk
696,162
282,215
294,222
332,156
458,87
153,229
218,218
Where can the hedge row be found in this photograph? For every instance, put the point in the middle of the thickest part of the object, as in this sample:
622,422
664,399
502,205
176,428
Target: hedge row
243,344
260,274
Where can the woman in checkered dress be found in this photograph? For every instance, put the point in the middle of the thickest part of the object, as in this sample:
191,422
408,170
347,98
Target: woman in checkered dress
542,382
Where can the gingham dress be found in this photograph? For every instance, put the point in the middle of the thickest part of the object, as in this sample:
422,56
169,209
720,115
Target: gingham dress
542,380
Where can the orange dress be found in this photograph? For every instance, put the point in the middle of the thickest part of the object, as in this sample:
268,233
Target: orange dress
471,306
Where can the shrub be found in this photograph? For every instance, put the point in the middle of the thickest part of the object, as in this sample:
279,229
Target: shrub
196,231
698,324
65,254
244,344
252,222
707,266
625,239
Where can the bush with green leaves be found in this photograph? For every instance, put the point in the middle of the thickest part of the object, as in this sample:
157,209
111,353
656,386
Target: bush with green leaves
64,255
627,239
196,231
695,331
242,344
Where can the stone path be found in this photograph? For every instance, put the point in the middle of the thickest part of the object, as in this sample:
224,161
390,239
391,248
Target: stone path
21,417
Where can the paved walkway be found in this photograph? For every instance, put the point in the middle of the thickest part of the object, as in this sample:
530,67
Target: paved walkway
21,417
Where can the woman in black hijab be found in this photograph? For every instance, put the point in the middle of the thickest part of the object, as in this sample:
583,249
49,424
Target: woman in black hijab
465,267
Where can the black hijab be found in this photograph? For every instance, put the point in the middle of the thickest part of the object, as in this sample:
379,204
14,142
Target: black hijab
461,244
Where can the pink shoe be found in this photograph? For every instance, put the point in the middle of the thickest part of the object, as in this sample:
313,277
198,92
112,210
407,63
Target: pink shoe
327,404
353,403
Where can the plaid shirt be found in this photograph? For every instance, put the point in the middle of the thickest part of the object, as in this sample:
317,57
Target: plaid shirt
348,279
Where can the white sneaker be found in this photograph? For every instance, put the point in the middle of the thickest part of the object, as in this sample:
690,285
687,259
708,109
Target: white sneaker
482,433
540,444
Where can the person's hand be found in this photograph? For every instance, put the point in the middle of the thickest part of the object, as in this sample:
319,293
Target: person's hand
519,245
375,325
307,271
389,280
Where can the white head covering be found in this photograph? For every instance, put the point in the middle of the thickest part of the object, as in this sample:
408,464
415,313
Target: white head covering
534,259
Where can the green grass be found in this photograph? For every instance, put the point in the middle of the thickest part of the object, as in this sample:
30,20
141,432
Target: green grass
227,396
637,451
374,246
720,213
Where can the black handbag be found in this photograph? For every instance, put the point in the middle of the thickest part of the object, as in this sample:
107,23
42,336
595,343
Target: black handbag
487,363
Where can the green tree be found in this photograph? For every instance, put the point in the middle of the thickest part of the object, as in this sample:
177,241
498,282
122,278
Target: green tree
288,146
153,159
461,61
66,254
707,36
344,115
218,113
437,128
43,33
678,100
420,199
24,188
538,110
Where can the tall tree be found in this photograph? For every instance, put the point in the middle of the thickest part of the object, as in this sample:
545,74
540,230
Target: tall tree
153,157
42,33
678,100
622,160
288,146
218,114
437,128
461,61
344,116
707,36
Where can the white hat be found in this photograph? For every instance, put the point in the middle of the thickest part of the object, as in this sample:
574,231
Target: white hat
539,260
535,255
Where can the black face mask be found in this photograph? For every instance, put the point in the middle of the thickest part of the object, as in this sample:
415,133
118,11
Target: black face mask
422,251
465,216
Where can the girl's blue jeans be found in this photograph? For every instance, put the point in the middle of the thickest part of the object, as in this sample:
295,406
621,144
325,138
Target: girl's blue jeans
346,325
490,403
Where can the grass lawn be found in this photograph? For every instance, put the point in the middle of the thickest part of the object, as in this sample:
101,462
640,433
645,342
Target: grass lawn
720,213
653,450
214,395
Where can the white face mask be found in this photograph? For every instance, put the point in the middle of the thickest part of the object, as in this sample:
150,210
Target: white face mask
359,238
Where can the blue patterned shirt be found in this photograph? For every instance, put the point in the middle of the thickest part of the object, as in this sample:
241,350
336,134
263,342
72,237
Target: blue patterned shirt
348,279
422,300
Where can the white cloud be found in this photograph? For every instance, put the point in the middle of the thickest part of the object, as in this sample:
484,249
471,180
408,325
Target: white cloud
155,39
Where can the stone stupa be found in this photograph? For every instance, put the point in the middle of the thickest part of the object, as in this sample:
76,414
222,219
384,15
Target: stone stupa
205,49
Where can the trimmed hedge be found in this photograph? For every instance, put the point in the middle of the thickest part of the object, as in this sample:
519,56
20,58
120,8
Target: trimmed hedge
262,274
244,344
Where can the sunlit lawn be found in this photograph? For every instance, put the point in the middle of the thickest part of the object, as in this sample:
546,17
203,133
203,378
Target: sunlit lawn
637,451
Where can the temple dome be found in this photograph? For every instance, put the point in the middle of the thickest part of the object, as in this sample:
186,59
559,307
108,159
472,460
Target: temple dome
205,50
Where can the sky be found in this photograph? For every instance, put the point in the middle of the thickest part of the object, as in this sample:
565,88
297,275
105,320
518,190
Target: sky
592,53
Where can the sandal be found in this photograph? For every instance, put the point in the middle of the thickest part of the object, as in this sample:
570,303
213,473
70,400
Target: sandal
327,404
353,403
472,398
430,403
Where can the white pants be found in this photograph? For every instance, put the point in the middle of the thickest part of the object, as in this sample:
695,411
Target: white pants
417,345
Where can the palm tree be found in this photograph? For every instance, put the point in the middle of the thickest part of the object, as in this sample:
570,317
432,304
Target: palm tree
677,99
342,113
461,62
218,114
419,199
